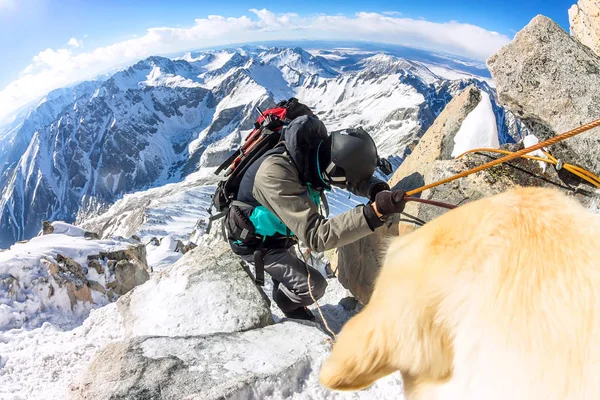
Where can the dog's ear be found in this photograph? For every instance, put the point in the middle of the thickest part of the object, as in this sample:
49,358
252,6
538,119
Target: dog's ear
361,355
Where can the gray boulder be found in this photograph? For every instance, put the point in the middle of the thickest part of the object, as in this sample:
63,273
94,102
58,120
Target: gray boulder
552,83
584,19
205,292
127,276
240,365
91,235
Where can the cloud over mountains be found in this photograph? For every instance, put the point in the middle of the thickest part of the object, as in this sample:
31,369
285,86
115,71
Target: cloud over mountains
53,68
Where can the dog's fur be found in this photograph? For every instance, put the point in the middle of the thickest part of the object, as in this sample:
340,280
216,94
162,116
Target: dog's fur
497,299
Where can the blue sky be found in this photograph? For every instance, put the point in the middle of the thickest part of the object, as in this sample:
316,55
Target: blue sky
29,27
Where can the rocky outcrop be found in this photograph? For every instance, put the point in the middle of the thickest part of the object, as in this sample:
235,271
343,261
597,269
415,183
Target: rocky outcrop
236,365
184,248
127,276
68,274
210,291
585,23
128,265
552,82
127,268
59,278
47,228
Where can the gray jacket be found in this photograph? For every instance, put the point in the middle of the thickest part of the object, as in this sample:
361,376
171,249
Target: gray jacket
278,187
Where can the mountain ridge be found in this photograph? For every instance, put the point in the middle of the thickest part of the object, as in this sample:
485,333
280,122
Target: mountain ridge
161,119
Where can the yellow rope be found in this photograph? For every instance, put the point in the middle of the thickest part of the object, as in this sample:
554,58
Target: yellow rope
574,169
517,154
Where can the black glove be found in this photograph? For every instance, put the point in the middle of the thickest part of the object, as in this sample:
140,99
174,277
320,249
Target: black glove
388,203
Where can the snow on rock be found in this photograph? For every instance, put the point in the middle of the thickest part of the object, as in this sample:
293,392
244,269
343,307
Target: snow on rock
275,362
164,254
201,329
479,128
531,140
205,292
58,278
67,229
43,362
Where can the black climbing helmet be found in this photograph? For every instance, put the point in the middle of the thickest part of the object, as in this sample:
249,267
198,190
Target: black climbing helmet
352,158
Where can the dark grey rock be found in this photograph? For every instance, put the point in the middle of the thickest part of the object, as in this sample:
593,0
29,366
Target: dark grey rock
47,228
91,236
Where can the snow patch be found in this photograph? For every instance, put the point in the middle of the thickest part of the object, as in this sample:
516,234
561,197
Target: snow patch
67,229
479,129
532,140
163,255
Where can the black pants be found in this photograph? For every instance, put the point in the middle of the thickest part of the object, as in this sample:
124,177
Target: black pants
291,273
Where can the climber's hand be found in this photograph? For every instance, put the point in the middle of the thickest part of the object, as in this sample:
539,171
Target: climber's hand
387,203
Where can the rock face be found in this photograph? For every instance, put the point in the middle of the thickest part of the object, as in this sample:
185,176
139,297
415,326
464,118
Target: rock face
552,82
234,304
198,367
585,23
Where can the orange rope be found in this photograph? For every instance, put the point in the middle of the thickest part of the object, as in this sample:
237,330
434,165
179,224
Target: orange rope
517,154
574,169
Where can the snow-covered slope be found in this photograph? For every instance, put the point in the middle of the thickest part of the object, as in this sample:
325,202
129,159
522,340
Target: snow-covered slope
162,119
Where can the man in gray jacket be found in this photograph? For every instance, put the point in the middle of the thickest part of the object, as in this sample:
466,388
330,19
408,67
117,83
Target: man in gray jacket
278,203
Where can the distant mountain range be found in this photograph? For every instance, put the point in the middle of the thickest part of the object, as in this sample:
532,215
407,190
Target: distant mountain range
80,149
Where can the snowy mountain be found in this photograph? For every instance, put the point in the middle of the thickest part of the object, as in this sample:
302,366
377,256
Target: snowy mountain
156,122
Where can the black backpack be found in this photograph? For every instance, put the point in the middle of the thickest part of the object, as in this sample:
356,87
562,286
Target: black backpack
264,137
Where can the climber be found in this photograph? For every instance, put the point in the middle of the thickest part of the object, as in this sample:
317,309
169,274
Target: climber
279,198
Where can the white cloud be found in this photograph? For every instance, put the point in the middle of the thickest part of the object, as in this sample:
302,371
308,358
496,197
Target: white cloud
7,4
74,42
51,68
